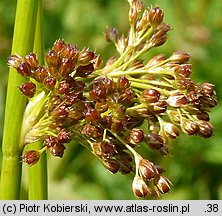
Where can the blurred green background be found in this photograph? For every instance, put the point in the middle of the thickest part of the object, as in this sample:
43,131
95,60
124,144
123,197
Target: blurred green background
195,164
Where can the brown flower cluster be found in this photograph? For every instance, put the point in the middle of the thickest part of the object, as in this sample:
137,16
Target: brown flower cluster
73,97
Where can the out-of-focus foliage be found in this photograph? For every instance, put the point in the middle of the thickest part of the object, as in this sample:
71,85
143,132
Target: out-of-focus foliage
195,163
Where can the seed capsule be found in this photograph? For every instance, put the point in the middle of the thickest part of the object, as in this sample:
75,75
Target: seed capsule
189,127
49,83
162,183
180,56
139,187
32,59
150,95
146,169
205,128
24,69
28,89
31,157
171,130
40,74
57,150
112,165
122,84
84,71
136,136
177,100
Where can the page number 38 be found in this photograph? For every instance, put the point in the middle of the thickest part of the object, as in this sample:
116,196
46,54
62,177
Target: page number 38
212,208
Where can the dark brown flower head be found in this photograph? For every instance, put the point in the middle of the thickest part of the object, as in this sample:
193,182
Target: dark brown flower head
28,89
85,56
31,157
156,16
57,150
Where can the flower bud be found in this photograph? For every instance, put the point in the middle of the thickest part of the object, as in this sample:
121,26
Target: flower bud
31,157
49,83
171,130
156,142
183,70
156,16
122,84
85,56
59,45
52,59
111,34
57,150
126,97
64,136
40,74
146,169
136,136
155,60
32,59
15,60
189,127
150,95
160,35
50,141
84,71
111,164
159,107
180,56
60,111
177,100
92,131
205,128
28,89
93,116
207,89
162,183
24,69
139,187
184,83
66,67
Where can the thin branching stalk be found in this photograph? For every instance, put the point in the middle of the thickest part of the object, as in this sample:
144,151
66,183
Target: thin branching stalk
12,146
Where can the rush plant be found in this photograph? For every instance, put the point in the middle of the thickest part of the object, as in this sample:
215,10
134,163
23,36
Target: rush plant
112,109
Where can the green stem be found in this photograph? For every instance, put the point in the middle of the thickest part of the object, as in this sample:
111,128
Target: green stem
23,40
37,174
